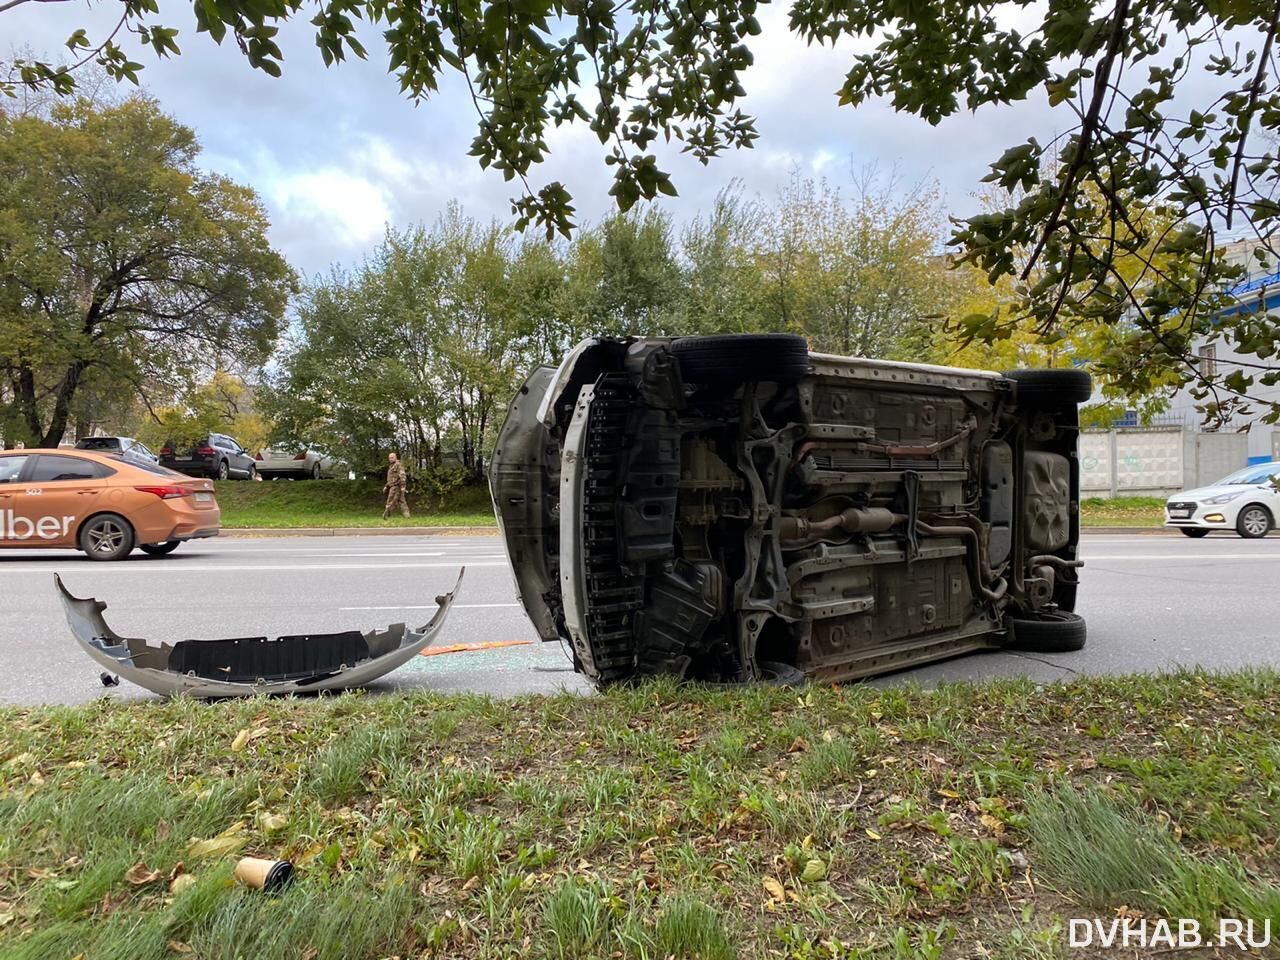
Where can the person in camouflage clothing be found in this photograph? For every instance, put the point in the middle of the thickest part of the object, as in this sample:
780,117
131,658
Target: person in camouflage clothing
395,488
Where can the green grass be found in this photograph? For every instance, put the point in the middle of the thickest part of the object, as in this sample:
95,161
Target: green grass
650,822
1122,512
281,504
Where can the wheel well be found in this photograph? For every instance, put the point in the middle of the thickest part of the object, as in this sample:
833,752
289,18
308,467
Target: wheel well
106,513
777,643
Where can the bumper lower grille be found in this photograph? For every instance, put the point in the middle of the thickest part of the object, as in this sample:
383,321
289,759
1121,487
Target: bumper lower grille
612,595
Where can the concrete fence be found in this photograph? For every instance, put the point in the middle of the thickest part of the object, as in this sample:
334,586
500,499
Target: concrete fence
1156,461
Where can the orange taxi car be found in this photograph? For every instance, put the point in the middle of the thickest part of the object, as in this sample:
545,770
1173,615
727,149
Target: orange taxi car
100,503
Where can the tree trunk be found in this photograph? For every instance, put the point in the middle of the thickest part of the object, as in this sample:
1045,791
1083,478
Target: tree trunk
24,393
62,404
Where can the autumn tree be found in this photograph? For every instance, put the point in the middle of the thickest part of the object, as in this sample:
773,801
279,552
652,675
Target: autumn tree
1167,105
123,266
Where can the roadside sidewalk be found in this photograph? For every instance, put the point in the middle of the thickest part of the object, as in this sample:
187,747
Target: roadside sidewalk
493,530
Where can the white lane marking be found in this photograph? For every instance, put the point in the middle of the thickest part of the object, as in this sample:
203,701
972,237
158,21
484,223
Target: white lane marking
152,567
339,556
1182,556
456,606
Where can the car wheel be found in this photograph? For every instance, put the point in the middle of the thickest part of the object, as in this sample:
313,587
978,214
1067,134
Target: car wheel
781,674
1253,522
315,471
223,472
252,474
159,549
107,536
1051,388
1196,532
739,358
1057,632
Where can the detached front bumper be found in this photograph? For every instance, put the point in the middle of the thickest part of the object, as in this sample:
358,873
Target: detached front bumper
246,666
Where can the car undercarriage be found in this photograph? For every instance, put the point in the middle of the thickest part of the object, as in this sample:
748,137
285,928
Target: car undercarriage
733,508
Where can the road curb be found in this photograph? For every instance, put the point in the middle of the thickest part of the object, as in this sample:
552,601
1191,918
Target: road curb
356,531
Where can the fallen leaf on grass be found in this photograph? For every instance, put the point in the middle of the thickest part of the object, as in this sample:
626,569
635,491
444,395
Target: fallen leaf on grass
177,946
774,889
224,844
872,834
991,823
271,822
245,736
181,882
815,871
139,875
798,745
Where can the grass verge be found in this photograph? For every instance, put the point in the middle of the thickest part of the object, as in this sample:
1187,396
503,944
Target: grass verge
281,504
652,822
1122,512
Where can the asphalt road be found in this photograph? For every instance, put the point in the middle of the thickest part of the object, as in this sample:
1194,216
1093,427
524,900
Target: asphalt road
1152,602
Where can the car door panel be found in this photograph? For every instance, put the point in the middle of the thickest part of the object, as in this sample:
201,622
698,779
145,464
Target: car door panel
62,491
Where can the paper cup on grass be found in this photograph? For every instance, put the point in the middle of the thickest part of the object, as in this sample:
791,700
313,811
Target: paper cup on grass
265,875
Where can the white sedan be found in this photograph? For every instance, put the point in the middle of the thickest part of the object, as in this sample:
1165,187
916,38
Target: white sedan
1247,502
297,464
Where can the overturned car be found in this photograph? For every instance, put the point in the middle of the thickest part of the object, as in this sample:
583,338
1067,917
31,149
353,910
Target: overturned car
729,508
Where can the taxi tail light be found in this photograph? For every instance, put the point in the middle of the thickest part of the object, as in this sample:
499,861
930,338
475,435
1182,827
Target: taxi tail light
166,451
257,456
301,456
166,492
204,451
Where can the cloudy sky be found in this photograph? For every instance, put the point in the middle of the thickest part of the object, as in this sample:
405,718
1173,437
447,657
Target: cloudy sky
338,153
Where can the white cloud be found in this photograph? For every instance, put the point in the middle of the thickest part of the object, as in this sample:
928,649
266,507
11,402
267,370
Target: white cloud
337,200
337,153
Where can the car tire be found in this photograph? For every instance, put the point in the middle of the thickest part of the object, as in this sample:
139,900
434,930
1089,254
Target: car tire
1253,522
315,471
781,674
223,470
252,474
1058,632
1051,388
159,549
108,536
1194,532
740,358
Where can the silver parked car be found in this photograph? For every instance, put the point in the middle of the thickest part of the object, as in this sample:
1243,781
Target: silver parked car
729,508
126,447
296,464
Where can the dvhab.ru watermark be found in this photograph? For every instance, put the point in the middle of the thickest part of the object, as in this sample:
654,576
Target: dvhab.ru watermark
1184,934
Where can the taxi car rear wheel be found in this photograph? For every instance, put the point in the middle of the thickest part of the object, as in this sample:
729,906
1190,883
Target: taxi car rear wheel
1196,532
159,549
1253,522
107,536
